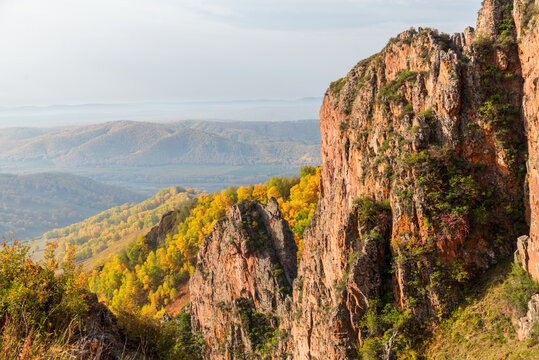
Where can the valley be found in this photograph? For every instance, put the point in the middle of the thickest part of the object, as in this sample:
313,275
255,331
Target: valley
33,204
135,160
147,157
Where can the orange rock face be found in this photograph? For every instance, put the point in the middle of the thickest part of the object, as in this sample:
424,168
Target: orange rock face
422,189
527,24
242,283
431,126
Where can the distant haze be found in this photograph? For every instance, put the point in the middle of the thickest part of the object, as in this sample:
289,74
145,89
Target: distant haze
85,114
163,51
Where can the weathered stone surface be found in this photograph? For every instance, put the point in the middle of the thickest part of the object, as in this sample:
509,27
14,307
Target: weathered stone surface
168,223
241,288
521,254
526,14
529,323
424,92
431,130
101,337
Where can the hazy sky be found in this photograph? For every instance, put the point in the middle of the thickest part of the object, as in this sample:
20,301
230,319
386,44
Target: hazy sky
121,51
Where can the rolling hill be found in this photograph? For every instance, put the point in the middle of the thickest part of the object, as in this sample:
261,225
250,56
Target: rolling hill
129,143
33,204
147,157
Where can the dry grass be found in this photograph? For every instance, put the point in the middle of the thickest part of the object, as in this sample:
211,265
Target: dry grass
176,306
33,346
67,346
484,329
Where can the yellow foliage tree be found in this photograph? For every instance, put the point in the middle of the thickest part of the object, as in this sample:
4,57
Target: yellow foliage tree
152,276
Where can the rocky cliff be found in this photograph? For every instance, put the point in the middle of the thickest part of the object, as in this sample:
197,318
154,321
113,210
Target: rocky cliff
430,126
241,288
423,188
526,15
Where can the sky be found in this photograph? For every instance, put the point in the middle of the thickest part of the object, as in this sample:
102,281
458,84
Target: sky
131,51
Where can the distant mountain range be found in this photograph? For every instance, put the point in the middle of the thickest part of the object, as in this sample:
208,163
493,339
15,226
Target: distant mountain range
146,157
130,143
33,204
142,156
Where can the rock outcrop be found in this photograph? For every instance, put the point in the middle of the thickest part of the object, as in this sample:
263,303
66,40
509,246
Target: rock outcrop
423,188
526,15
241,288
521,254
167,225
431,126
528,324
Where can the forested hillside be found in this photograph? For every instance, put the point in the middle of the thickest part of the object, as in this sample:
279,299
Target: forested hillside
47,313
416,239
111,230
33,204
137,284
146,276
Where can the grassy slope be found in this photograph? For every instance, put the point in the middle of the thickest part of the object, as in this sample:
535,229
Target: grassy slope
483,329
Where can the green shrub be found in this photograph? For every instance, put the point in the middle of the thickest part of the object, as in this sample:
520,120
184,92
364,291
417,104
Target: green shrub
337,85
371,349
260,328
408,110
32,295
484,46
383,323
170,340
519,288
368,209
427,113
391,91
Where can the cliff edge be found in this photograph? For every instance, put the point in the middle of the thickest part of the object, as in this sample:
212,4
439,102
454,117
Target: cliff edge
424,187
